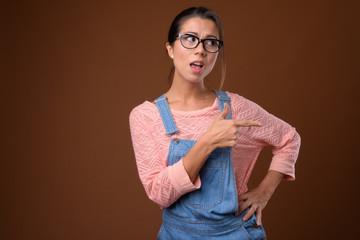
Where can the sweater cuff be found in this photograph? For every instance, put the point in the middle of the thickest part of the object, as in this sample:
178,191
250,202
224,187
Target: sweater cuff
180,179
285,166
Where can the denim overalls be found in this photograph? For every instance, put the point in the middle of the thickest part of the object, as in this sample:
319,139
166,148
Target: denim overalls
206,213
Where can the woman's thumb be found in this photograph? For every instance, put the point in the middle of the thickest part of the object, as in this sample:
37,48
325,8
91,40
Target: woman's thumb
224,112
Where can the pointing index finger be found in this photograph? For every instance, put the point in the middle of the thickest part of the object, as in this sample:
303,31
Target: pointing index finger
247,123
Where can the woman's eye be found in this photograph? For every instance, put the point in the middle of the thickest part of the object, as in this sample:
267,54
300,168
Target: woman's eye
190,39
211,42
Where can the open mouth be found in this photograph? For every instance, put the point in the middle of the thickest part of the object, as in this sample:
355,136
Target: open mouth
196,66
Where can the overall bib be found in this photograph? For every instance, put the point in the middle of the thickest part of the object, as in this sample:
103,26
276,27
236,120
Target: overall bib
206,213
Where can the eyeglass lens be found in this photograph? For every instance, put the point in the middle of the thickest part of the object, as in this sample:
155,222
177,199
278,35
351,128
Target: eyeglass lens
191,41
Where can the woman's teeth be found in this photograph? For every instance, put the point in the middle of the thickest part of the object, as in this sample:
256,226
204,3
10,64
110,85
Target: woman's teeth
197,64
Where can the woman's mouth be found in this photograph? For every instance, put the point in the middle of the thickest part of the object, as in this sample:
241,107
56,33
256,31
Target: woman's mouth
197,66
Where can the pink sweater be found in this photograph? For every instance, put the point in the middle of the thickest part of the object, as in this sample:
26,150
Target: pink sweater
165,184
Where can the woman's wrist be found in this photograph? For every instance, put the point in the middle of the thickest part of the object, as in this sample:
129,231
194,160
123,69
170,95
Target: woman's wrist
206,143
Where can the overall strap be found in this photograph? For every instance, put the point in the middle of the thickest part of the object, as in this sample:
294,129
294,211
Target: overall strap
224,98
166,116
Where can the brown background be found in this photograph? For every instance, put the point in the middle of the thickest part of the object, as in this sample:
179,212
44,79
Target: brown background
72,72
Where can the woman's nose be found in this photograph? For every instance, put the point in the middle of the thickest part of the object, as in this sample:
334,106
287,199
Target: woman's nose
200,49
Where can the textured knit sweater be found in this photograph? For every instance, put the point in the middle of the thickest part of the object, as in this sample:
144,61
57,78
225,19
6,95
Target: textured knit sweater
165,184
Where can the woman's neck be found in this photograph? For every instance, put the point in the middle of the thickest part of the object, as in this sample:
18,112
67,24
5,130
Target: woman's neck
186,95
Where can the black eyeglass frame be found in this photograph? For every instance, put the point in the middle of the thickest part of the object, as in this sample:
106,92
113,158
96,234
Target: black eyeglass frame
221,43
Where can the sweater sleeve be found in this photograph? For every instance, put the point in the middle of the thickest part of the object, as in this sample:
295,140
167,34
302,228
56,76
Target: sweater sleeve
163,184
283,138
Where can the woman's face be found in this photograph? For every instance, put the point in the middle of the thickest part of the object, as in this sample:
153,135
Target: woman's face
194,64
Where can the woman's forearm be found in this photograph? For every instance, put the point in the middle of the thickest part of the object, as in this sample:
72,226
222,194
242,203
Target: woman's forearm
271,181
195,158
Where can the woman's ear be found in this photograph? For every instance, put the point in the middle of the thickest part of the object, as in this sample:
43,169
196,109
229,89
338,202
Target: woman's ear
169,50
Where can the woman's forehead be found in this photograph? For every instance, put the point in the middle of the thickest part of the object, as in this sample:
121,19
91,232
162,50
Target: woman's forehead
200,26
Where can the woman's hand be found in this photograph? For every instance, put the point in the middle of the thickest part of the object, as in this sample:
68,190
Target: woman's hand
257,198
223,133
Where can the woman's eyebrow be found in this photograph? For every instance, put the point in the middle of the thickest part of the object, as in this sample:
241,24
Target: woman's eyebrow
213,36
193,33
207,36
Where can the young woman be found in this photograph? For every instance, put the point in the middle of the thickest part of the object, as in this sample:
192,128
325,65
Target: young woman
195,148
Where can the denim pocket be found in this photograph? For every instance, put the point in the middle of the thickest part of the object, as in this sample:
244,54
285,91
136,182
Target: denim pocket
212,176
255,232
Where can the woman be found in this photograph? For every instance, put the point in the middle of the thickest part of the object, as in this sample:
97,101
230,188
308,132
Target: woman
195,148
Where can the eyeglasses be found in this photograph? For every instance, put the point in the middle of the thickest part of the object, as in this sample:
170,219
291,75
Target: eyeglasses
190,41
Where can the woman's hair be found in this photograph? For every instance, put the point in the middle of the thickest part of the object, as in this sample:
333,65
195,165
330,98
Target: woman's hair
203,13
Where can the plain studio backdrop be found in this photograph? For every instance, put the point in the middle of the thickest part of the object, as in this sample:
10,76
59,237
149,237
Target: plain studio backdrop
71,72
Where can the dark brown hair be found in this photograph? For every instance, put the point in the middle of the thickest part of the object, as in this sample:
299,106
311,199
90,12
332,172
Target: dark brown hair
203,13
